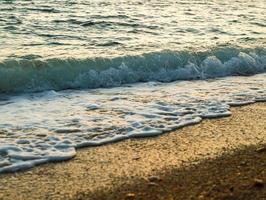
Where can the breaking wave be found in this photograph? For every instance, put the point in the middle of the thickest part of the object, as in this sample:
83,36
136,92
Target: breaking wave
32,74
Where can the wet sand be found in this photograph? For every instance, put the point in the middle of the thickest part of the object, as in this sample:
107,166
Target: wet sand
216,159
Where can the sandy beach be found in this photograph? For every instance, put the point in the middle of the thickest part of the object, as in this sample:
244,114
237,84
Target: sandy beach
217,159
132,100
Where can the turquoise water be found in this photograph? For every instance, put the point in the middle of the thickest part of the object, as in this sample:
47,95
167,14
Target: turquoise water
85,73
51,45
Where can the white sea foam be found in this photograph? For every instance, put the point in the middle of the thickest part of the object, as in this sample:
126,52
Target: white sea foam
48,126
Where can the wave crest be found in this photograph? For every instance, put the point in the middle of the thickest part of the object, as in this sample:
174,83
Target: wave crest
35,74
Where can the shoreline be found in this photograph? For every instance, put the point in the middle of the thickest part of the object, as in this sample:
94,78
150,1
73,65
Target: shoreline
101,171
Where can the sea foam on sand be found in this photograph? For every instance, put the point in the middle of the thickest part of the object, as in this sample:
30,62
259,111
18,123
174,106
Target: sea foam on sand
43,127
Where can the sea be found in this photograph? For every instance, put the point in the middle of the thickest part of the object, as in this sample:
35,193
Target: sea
84,73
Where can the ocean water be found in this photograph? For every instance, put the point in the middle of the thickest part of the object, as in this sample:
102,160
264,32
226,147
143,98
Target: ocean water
88,72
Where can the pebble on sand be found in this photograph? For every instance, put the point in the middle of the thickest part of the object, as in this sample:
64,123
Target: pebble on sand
259,183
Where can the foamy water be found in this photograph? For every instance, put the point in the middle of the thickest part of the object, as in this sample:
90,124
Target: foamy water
85,73
49,126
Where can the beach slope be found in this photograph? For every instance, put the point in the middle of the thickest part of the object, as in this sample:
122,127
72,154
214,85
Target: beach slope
216,159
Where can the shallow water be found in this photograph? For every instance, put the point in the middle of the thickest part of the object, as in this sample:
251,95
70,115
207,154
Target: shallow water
49,126
85,73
